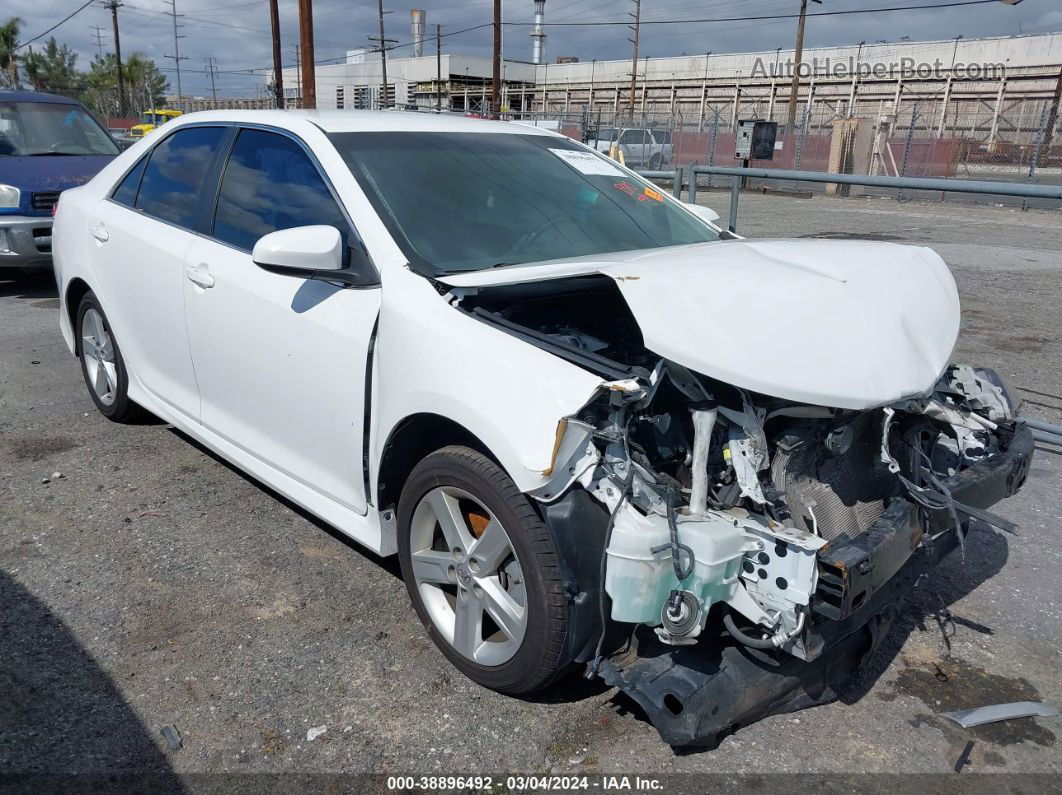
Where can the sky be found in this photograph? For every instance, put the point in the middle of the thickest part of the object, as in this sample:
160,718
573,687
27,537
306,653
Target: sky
236,33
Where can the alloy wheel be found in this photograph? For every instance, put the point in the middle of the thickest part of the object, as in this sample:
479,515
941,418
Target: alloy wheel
97,352
468,576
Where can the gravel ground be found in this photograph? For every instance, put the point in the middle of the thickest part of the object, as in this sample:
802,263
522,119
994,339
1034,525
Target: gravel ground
145,583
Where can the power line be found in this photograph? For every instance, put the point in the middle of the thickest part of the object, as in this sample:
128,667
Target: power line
761,17
57,24
748,18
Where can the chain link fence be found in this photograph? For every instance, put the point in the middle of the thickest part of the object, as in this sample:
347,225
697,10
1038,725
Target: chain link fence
1004,140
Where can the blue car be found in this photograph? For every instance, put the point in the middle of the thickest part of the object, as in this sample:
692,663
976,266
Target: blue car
47,144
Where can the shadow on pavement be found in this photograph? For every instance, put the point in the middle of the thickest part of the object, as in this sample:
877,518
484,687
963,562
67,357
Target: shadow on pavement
61,716
920,610
952,580
388,564
29,286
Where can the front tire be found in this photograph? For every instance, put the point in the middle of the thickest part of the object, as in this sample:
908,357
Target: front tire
102,365
482,571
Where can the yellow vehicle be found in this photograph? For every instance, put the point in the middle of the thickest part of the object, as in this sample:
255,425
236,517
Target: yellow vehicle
150,119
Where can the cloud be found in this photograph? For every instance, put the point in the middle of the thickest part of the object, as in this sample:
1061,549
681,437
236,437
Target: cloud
237,33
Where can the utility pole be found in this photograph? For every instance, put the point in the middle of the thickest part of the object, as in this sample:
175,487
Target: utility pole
382,41
278,74
309,79
177,57
634,56
114,5
298,76
495,87
99,39
794,86
438,67
212,71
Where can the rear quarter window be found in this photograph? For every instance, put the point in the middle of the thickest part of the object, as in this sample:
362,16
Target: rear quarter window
172,186
125,193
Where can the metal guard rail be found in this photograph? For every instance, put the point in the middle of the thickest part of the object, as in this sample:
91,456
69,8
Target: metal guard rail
737,175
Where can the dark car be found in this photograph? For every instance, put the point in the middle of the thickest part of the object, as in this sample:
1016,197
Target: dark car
47,144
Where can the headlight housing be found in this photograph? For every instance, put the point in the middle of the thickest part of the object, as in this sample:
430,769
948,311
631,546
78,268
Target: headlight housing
9,196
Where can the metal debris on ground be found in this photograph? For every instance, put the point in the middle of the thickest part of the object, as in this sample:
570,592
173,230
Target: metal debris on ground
946,623
964,757
172,737
997,712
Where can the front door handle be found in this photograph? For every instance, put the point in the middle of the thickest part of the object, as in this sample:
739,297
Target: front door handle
99,231
199,275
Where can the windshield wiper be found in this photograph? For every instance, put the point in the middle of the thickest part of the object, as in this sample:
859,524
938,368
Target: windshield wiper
53,154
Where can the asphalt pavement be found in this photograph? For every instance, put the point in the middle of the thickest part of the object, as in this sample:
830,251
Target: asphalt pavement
144,583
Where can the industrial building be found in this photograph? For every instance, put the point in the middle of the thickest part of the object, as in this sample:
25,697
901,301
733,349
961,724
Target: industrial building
999,91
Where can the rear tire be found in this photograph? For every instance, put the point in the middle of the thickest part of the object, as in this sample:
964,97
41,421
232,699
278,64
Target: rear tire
101,363
490,542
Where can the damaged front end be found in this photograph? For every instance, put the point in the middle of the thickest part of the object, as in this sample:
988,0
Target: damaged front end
731,554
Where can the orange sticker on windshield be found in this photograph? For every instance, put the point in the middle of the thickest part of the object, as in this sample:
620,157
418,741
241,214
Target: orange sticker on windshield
653,194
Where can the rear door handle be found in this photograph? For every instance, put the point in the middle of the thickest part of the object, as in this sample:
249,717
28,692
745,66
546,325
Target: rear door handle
200,275
99,231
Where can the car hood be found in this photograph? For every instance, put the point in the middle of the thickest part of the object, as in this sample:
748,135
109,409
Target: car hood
845,324
48,173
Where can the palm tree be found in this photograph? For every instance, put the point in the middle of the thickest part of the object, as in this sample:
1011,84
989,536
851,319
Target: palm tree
8,60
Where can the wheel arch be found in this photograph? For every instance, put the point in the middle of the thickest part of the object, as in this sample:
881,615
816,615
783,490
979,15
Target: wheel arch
76,290
413,438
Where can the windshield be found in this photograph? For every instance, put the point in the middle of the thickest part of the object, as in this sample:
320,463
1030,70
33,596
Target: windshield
469,201
50,128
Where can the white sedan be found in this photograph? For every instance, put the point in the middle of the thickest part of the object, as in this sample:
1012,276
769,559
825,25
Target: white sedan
595,428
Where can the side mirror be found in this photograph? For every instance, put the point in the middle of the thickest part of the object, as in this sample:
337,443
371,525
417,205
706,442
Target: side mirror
300,249
702,212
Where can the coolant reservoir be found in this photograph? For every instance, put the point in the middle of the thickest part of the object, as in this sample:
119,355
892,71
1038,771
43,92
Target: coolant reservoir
639,580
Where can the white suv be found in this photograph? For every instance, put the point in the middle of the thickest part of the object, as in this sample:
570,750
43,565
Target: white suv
642,147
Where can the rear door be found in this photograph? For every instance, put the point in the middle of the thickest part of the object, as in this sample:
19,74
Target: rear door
281,360
138,241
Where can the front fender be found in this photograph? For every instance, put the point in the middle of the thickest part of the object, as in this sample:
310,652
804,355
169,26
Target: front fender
432,358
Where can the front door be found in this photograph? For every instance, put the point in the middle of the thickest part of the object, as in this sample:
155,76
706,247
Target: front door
280,360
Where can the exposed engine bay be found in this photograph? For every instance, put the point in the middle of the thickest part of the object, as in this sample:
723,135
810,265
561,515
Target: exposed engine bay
735,513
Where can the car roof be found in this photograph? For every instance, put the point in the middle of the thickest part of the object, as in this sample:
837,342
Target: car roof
339,121
35,96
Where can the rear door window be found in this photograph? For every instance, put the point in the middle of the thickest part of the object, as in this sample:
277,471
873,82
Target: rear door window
270,183
172,187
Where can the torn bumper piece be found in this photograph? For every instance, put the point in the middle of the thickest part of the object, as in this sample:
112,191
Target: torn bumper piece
851,570
697,695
